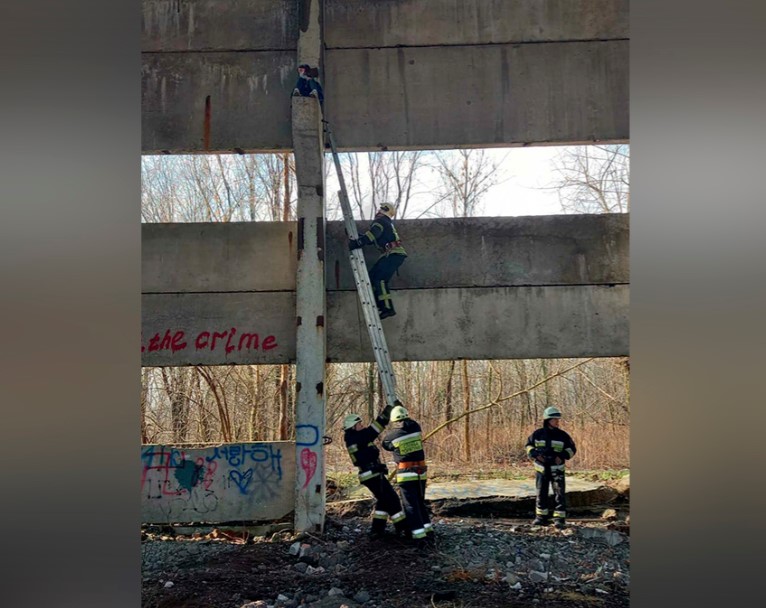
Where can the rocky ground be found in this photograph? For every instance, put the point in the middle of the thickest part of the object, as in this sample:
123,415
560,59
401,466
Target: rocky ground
476,562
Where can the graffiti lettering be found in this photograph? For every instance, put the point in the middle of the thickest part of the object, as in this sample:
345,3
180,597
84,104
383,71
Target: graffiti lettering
167,342
306,434
237,454
201,484
207,340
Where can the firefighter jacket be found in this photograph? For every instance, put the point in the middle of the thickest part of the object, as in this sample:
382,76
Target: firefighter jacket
550,442
405,440
383,235
362,449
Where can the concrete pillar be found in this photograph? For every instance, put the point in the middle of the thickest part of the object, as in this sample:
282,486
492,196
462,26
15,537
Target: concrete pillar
310,313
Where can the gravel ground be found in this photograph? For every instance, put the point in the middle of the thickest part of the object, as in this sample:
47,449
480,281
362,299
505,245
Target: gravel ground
476,562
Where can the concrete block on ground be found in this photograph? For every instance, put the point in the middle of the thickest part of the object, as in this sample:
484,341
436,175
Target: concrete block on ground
232,482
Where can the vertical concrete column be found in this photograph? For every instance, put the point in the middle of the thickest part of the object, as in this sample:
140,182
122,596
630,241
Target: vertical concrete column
310,316
310,34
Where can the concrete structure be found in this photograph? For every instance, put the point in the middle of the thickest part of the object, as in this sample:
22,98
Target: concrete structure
310,309
235,482
309,314
543,286
397,74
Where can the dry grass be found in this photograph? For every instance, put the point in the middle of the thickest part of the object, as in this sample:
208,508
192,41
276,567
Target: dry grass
599,448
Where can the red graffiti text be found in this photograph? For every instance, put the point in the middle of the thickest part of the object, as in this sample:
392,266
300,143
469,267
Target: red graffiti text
228,341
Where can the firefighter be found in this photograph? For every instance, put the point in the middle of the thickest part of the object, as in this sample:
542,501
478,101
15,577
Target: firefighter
405,440
550,447
383,235
360,443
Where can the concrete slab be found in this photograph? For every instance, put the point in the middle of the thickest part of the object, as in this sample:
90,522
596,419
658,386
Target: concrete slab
498,497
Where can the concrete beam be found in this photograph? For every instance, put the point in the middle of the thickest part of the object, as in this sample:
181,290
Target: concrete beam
536,286
246,25
483,252
397,74
365,24
212,102
478,96
218,25
218,257
431,324
488,323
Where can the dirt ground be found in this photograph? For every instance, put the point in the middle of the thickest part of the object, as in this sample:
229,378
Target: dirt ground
476,562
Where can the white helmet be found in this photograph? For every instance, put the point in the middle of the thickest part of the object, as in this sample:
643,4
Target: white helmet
551,412
388,209
351,420
399,413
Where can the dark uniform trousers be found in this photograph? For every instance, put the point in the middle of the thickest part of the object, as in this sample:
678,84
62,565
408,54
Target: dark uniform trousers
412,485
380,275
545,477
387,504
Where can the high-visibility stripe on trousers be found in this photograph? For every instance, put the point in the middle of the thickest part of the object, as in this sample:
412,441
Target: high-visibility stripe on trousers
380,275
412,486
543,481
387,504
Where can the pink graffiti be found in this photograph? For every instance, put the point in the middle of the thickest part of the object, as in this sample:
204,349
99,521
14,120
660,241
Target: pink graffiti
308,464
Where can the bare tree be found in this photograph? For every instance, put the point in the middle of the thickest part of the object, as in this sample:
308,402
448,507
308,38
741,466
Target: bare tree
377,177
593,179
465,177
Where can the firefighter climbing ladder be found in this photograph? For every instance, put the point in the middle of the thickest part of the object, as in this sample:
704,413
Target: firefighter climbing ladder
364,288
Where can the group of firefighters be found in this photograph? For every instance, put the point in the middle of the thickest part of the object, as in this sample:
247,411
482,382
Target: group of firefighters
549,447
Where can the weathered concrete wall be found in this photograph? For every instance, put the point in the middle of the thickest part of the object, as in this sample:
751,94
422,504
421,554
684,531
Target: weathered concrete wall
483,95
229,483
218,257
550,286
482,252
431,324
397,74
488,323
365,24
215,25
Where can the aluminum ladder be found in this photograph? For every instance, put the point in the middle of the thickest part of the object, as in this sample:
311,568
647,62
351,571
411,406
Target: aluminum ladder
364,288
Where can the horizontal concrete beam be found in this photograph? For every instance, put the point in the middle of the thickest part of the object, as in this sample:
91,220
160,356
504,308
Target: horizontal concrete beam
365,24
397,74
218,257
246,25
208,102
443,253
431,324
478,96
474,288
435,97
218,25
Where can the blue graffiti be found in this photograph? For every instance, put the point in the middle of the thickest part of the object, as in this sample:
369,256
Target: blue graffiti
239,454
166,457
306,435
242,479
